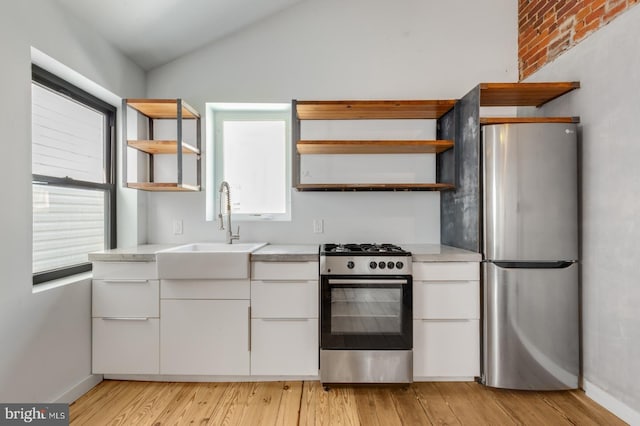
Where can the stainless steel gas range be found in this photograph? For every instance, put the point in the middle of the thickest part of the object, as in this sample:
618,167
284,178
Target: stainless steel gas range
366,328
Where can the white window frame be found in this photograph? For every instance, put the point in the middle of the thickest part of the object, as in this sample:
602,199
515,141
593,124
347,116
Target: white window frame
217,114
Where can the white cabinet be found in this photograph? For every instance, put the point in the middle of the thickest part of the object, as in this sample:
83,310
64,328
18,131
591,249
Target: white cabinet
125,345
284,346
204,337
204,327
284,319
446,314
125,323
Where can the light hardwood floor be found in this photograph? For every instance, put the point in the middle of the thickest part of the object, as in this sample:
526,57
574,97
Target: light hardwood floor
307,403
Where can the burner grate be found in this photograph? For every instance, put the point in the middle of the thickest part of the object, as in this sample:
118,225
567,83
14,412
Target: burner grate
363,248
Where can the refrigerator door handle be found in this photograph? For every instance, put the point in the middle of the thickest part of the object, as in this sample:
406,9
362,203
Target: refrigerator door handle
534,265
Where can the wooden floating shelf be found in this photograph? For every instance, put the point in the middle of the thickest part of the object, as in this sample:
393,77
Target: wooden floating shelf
163,186
162,108
374,187
373,147
356,110
523,94
516,120
162,146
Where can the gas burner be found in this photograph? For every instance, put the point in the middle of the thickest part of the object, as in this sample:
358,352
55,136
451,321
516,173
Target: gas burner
363,249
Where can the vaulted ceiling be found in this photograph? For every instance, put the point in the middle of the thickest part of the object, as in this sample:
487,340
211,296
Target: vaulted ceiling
155,32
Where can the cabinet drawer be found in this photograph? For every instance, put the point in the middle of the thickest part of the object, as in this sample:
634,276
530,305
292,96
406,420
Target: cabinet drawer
205,337
205,289
284,299
285,270
284,347
125,270
446,348
446,299
126,346
446,271
125,298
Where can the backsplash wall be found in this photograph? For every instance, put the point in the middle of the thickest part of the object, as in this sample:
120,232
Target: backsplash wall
390,54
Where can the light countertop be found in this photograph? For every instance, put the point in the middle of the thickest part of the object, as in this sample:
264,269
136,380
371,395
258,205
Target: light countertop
440,253
142,253
288,252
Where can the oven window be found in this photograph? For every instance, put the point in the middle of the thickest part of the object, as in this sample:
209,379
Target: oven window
366,311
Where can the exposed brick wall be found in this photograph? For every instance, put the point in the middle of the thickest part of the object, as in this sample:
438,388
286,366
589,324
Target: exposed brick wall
546,28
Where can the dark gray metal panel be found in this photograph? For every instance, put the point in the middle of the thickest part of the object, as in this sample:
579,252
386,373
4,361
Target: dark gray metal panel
179,139
295,137
125,144
446,162
460,209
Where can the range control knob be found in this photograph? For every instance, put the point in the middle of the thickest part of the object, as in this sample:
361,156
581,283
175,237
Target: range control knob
350,264
399,265
373,265
382,265
390,265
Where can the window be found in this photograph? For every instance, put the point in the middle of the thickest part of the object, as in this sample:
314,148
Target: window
73,176
252,153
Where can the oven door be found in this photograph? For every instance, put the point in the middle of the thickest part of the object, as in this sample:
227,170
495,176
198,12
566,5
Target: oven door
366,312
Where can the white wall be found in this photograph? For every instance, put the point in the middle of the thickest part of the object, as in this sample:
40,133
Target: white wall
341,49
607,64
45,338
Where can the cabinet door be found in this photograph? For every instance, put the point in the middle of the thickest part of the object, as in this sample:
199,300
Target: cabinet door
125,346
125,298
207,337
446,271
284,347
284,299
285,270
124,270
446,349
446,299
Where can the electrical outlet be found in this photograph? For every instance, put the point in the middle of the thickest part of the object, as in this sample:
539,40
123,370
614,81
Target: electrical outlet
318,226
177,227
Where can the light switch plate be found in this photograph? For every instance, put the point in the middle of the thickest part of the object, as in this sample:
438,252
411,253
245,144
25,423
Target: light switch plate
177,227
318,226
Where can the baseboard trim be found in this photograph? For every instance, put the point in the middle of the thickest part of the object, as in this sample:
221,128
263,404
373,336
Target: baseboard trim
205,378
79,389
611,403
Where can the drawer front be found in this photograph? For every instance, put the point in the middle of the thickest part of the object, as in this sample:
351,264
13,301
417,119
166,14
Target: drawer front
205,289
284,299
126,346
446,271
205,337
285,270
125,270
446,299
446,349
284,347
126,298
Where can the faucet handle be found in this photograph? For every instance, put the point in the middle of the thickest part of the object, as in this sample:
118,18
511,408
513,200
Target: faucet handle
237,234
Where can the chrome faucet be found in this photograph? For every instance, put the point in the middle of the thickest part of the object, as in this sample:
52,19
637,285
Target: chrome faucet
224,190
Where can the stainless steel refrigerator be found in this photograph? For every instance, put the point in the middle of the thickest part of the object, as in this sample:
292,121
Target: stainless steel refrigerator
530,268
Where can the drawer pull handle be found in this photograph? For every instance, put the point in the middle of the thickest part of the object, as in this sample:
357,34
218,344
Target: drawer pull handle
446,320
249,321
125,319
125,281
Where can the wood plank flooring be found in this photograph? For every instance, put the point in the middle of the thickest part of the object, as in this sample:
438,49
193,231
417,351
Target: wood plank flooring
307,403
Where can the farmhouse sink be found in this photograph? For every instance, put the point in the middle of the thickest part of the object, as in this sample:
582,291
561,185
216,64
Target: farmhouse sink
206,261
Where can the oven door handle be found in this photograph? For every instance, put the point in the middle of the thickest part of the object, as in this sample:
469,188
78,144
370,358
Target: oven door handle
365,281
